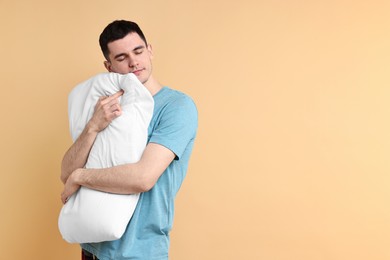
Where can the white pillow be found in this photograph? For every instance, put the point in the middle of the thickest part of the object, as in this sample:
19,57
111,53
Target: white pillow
94,216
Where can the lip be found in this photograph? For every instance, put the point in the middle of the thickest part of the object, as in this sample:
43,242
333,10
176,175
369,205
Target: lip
137,72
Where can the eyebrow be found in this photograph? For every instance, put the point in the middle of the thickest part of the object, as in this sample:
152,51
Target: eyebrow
124,54
138,48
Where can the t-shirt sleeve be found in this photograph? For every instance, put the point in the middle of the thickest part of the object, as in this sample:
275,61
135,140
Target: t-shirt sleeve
177,126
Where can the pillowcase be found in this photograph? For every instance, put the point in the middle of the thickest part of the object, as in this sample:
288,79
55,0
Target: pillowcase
90,215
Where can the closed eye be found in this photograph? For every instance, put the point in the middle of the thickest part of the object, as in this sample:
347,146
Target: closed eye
121,57
139,50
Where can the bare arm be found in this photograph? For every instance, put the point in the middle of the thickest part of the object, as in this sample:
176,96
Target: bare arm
106,110
77,155
123,179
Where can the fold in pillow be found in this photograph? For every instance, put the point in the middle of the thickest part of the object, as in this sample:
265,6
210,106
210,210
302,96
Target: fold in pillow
94,216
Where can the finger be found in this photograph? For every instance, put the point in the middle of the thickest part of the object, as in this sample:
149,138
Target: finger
100,102
114,112
118,94
112,103
115,107
114,96
117,113
107,102
111,108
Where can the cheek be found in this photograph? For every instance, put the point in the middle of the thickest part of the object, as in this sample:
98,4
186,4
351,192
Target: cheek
120,68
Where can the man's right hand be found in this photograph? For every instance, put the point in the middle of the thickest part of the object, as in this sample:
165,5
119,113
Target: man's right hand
106,110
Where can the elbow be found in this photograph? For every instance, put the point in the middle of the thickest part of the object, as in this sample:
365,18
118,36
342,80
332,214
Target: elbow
145,186
64,176
146,183
62,179
140,177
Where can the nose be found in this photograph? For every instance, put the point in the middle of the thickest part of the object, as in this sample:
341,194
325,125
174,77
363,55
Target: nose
133,62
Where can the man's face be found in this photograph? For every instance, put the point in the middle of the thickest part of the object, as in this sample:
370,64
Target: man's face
130,54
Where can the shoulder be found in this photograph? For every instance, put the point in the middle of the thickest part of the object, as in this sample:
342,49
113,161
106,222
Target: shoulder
175,120
172,99
175,109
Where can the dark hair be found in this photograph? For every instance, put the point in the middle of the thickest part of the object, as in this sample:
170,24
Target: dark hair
117,30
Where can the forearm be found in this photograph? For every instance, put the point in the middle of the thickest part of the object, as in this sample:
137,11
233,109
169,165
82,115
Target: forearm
122,179
127,178
77,155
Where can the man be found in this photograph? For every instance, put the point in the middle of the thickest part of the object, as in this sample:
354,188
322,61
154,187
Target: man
162,168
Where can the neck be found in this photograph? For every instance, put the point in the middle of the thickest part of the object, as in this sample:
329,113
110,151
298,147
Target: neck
153,85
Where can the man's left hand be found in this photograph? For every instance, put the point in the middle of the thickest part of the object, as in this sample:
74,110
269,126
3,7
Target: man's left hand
70,187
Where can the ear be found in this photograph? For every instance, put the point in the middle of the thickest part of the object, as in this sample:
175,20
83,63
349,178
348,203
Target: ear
150,50
107,64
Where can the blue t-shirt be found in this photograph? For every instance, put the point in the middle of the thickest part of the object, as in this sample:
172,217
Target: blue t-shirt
173,125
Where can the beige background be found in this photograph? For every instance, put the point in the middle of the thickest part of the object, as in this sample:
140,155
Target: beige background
291,160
